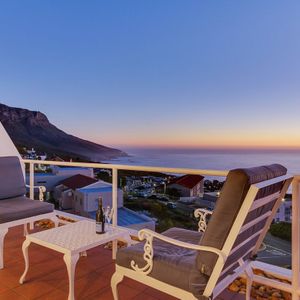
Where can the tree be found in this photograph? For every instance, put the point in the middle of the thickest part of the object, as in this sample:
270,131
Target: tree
173,192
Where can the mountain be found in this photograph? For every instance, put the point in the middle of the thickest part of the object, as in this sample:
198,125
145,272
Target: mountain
32,129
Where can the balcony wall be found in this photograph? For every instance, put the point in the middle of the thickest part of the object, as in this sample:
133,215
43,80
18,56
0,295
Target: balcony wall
7,147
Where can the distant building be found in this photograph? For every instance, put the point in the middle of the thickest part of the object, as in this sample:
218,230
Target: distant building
284,212
32,154
64,192
188,185
70,171
80,194
90,194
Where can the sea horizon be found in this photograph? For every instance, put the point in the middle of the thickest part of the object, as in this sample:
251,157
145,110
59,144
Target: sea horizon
213,159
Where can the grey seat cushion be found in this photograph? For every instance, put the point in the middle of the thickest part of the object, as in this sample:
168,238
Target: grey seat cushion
231,198
21,208
12,182
171,264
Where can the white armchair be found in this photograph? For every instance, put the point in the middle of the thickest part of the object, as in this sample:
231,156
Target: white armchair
192,265
15,208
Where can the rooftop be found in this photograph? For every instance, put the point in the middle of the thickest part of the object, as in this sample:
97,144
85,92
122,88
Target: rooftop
188,181
78,181
98,186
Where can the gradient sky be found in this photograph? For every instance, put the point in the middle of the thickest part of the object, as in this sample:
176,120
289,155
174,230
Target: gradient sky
157,72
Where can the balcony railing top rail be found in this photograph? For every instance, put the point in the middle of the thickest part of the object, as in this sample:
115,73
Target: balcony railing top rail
130,167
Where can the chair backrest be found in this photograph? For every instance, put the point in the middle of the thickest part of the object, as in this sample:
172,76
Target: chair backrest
246,206
12,183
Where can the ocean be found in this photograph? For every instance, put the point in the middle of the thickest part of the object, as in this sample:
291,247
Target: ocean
213,160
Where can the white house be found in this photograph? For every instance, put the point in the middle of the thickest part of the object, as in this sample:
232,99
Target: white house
86,198
284,212
80,194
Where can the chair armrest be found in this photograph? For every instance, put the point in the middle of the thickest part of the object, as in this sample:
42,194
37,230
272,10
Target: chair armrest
202,214
42,190
148,235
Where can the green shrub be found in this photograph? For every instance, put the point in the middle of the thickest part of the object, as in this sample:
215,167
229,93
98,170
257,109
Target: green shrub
282,230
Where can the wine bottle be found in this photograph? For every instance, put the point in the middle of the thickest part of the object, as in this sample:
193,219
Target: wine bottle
100,221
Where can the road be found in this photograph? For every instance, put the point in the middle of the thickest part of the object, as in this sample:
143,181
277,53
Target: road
277,251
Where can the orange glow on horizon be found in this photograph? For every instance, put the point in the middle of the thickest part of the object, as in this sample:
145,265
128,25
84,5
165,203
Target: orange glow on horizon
251,145
210,139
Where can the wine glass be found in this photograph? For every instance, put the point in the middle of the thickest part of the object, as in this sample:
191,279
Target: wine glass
108,213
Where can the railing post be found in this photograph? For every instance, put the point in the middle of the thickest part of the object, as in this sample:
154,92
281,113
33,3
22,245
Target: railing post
295,238
115,208
115,195
31,181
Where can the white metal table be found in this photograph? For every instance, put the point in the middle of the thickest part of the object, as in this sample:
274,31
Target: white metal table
71,240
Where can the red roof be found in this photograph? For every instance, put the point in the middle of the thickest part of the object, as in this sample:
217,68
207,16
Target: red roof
188,181
78,181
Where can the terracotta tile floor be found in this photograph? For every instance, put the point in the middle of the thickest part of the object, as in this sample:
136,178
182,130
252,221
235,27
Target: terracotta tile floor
47,276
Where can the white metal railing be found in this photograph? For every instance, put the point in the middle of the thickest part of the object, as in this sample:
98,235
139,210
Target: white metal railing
115,169
295,238
293,275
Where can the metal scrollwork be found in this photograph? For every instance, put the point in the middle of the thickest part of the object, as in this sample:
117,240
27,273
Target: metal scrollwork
42,190
148,254
202,215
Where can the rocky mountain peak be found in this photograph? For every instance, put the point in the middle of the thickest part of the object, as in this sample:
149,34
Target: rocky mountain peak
32,129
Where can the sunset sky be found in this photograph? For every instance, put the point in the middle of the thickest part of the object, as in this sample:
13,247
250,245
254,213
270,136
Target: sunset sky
157,73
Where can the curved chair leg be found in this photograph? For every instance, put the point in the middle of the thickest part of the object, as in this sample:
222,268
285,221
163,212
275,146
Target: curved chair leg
25,246
115,280
248,288
249,276
3,232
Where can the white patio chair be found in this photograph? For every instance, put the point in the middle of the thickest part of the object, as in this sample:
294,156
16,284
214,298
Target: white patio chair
15,208
197,265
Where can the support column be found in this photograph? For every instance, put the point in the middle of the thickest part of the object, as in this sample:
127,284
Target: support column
115,208
31,181
295,237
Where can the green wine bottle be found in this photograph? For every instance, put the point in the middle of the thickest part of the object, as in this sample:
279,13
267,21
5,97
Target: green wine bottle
100,220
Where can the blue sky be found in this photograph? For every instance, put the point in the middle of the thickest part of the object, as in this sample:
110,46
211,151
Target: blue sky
157,73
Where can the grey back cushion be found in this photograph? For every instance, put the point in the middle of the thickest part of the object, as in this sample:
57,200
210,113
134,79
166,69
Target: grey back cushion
235,189
12,182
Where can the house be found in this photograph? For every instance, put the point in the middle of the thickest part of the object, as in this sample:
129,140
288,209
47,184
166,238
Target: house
188,185
284,212
88,196
64,191
80,194
58,174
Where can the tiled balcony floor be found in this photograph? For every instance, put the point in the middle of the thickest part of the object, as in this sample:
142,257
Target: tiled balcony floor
47,276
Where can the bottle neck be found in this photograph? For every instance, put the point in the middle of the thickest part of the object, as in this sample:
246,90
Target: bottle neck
100,204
